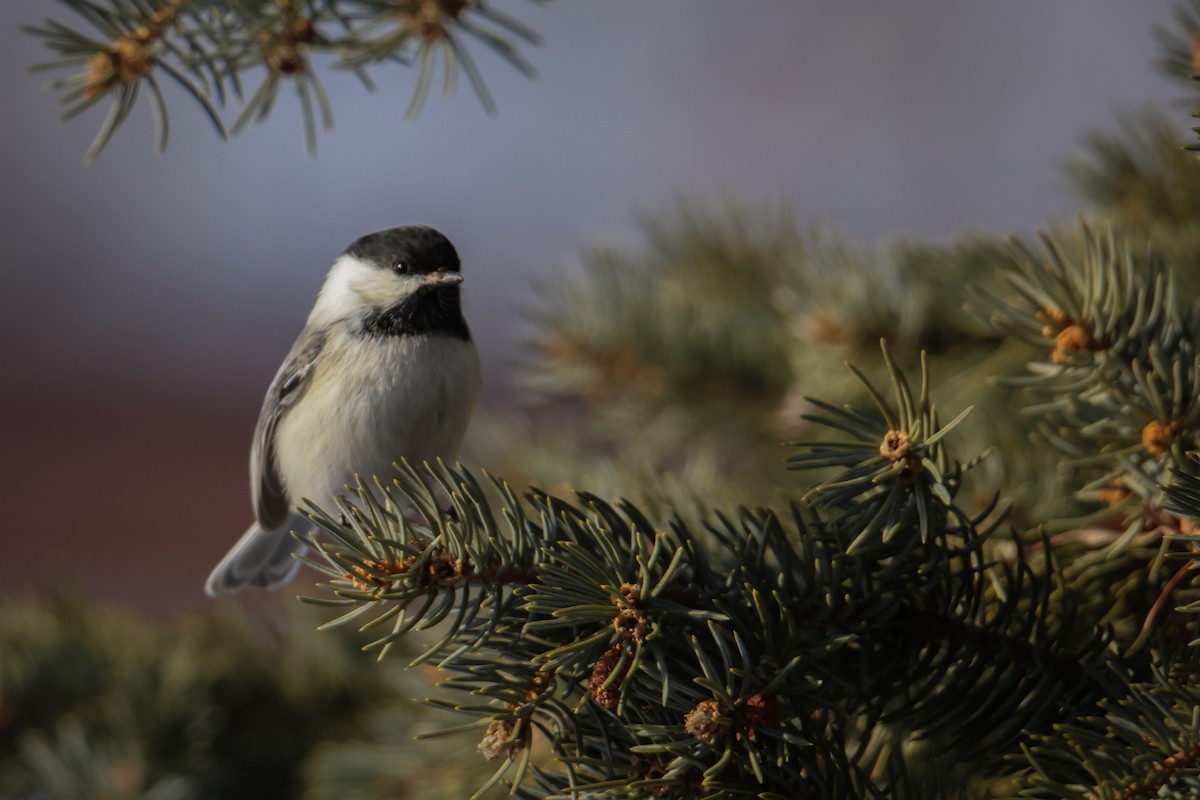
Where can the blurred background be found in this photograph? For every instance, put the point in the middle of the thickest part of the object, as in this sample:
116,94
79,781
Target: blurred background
146,301
655,236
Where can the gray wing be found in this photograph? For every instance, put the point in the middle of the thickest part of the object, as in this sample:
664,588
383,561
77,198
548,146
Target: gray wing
271,503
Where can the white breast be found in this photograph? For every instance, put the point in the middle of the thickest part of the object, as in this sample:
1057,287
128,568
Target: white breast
370,403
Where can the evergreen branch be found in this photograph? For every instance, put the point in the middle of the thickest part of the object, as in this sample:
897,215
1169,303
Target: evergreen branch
1123,372
101,702
1120,385
1182,494
1179,57
209,46
1139,174
896,469
747,660
645,328
1182,498
1145,745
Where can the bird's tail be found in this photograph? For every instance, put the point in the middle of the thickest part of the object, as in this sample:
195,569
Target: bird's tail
260,558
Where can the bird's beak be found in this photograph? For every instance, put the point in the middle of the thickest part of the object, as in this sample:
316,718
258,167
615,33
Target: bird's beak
442,278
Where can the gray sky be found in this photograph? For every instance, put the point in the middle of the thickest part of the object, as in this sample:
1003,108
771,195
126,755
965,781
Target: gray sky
920,119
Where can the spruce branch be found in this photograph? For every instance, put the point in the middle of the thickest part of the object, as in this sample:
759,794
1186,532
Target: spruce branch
99,702
1145,745
117,49
1182,499
894,470
1119,383
1117,394
69,765
1180,43
760,656
1180,48
1139,174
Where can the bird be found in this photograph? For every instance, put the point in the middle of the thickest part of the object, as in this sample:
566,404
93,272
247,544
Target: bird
384,369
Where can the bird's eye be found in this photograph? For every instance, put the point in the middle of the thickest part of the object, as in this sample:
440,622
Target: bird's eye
400,268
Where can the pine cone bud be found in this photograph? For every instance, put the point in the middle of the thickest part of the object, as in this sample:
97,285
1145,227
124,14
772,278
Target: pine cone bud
1157,436
631,624
896,445
1069,341
609,696
706,721
499,741
756,711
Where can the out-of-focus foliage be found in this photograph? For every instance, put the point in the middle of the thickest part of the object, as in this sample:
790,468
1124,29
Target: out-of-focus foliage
1139,179
618,384
1140,174
1180,43
99,703
1180,55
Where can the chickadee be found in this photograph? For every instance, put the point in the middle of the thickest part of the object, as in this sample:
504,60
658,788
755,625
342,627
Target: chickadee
384,369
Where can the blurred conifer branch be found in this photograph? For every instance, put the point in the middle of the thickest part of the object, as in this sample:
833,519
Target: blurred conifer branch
1140,173
117,50
1179,43
1180,49
99,703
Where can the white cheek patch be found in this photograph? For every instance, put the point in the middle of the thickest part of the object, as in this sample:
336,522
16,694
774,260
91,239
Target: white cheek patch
337,299
354,287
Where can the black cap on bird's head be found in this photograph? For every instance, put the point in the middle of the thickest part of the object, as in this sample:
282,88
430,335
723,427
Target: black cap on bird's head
420,295
407,250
